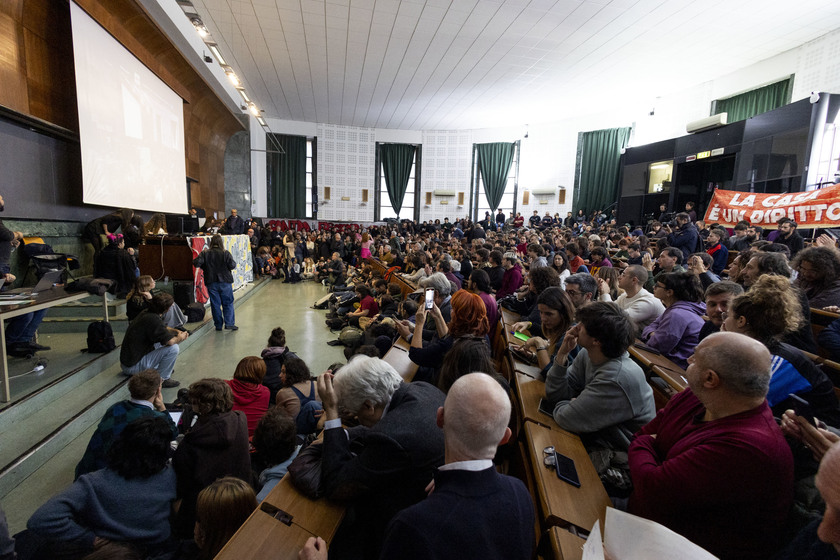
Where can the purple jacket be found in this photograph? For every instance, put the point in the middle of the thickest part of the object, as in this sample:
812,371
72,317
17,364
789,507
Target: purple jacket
676,332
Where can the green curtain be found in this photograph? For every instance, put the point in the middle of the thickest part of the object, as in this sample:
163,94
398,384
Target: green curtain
286,176
598,167
397,160
494,165
751,103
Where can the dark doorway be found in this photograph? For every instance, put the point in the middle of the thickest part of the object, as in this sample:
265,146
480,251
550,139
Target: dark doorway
696,181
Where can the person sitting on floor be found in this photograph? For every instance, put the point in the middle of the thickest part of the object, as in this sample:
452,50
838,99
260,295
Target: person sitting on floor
128,501
146,400
221,510
298,396
470,497
138,300
250,396
149,344
276,443
274,355
713,465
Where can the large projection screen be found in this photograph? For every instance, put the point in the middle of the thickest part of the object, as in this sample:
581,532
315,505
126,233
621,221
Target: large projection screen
131,126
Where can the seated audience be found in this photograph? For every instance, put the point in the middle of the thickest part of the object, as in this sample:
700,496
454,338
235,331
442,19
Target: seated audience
676,332
669,261
512,278
129,501
718,297
700,264
761,263
766,312
249,395
276,442
298,396
639,304
470,499
215,446
581,288
468,319
495,270
396,448
602,394
149,344
467,355
557,312
479,283
275,355
819,275
717,251
713,465
221,509
146,400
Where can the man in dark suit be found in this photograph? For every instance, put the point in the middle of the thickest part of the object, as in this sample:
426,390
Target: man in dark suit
384,465
473,512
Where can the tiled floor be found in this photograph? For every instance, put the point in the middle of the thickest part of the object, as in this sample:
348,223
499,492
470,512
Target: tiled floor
214,354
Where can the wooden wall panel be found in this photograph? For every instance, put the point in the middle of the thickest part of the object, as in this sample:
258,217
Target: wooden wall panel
37,78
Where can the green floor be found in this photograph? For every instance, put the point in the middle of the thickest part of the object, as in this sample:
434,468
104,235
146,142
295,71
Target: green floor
214,354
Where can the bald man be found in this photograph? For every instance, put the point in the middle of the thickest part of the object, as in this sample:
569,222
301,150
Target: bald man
713,465
473,512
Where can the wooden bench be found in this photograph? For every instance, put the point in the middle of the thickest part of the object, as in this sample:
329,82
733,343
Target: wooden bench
529,392
282,535
397,356
565,545
560,503
664,376
820,319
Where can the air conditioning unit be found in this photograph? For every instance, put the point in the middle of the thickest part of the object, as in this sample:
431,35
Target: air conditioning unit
445,192
707,123
544,190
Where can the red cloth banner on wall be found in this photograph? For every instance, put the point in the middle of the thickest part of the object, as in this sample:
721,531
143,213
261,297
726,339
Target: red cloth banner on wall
809,209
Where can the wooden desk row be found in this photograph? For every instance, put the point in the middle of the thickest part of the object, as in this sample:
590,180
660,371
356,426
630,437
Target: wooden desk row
281,535
397,356
664,376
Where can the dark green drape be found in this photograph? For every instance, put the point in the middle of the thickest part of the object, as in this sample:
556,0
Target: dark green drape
598,167
286,176
751,103
397,160
494,165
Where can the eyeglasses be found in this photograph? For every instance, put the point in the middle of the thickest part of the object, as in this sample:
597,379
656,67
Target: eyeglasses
660,286
572,293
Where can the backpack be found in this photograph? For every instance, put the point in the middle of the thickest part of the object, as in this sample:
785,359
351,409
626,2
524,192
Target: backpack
195,312
391,272
351,336
100,337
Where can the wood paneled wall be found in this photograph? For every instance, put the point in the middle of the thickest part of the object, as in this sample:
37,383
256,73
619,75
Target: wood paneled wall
37,79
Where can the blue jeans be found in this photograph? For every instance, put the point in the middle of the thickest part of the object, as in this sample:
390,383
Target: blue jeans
162,359
221,300
22,328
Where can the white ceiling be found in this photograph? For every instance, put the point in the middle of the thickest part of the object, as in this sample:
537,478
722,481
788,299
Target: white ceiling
461,64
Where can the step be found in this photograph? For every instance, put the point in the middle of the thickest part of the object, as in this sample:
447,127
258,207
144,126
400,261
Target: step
50,325
84,308
68,407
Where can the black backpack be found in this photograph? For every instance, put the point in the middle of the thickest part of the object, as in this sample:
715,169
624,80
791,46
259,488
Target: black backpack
195,312
100,337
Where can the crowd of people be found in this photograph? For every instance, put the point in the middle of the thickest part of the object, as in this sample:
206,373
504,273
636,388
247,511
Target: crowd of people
741,462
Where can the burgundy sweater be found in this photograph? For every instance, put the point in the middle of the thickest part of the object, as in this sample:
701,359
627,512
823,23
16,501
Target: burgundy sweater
726,485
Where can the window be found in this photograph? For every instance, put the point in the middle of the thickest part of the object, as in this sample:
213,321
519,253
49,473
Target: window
311,175
409,209
507,201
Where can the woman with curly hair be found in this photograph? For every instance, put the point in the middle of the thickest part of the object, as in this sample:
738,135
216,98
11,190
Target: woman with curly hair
768,311
819,275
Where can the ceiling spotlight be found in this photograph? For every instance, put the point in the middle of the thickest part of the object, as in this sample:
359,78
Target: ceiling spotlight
215,50
261,121
232,77
254,111
199,27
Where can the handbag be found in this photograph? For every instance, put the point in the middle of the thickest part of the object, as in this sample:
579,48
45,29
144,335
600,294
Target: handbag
305,470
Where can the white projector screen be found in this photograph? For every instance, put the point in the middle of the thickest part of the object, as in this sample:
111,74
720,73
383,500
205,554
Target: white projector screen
131,126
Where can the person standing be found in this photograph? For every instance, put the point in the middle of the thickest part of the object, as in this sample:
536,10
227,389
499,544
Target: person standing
217,264
234,224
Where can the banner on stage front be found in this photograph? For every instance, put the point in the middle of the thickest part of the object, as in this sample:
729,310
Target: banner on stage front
809,209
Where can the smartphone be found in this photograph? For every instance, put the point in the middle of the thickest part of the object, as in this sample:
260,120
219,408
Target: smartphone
276,513
803,408
520,336
566,470
546,408
430,298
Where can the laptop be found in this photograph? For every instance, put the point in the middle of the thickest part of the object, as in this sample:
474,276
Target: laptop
45,283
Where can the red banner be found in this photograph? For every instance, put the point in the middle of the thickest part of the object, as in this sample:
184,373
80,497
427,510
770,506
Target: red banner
809,209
